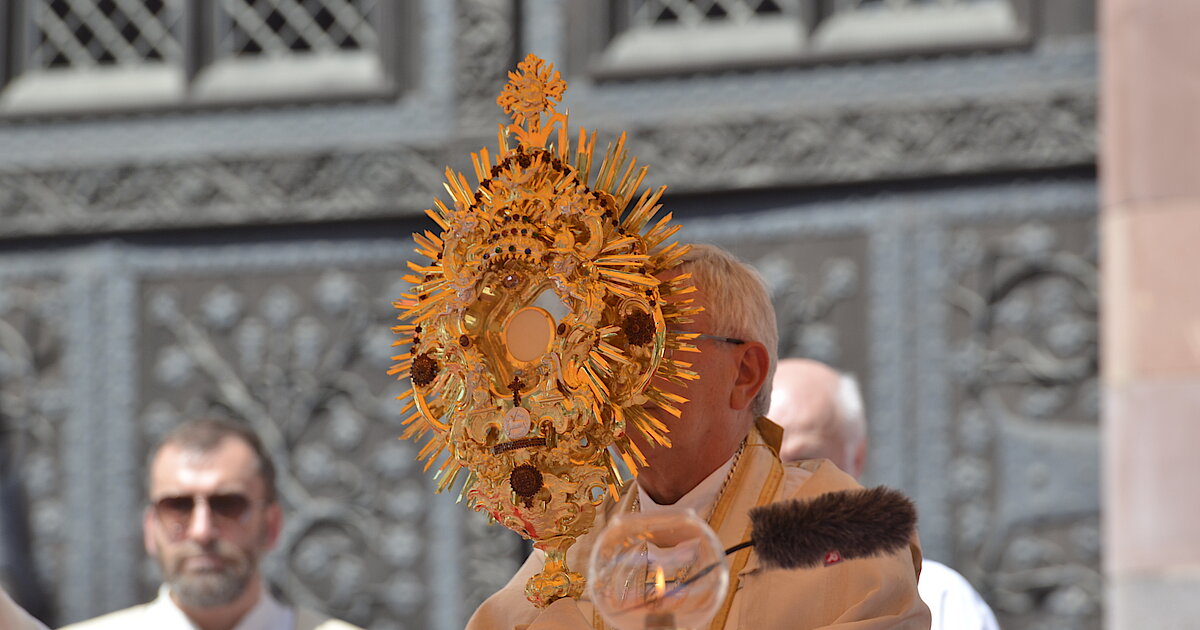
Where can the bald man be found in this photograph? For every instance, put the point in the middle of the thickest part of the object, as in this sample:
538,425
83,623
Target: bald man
821,412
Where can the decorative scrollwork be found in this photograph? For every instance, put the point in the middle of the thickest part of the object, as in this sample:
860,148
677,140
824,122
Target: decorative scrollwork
292,357
485,49
864,144
215,191
804,304
1024,474
33,412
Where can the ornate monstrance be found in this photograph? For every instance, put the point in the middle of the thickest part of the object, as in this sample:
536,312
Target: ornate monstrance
537,334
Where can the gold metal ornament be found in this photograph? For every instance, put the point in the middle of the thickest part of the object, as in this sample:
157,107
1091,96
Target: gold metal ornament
537,335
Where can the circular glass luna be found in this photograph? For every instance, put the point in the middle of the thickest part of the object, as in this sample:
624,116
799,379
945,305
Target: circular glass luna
658,571
529,333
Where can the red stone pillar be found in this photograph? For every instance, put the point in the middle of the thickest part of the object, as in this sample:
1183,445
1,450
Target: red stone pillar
1150,219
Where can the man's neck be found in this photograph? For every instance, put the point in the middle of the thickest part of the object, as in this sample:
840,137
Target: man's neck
670,488
667,490
227,616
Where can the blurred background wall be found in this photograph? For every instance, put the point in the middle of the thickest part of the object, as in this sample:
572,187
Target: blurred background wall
205,209
1151,324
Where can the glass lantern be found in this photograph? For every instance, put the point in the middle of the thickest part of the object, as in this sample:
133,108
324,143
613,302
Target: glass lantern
658,571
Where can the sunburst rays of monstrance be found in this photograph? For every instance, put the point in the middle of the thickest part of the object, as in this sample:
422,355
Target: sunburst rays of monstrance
536,334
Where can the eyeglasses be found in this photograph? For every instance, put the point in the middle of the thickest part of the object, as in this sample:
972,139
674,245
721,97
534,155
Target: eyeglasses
175,513
670,353
733,340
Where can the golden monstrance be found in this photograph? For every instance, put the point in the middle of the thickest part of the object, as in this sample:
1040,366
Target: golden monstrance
535,331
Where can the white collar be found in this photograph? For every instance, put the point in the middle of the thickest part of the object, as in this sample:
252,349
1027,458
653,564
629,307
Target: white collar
699,499
267,613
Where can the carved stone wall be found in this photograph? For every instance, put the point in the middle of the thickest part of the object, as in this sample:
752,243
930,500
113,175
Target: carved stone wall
1023,483
292,339
34,395
215,191
970,316
964,298
300,356
861,144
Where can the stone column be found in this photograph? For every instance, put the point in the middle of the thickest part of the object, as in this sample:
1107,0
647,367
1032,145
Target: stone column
1150,173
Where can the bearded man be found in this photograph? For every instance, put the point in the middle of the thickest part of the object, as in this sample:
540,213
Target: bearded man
211,517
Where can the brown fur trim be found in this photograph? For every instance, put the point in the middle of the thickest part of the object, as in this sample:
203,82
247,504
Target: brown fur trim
855,523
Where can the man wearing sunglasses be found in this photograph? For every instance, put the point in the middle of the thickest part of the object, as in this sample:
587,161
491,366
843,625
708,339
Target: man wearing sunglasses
212,516
724,461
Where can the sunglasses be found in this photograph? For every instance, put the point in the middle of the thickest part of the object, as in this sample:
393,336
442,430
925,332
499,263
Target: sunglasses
175,513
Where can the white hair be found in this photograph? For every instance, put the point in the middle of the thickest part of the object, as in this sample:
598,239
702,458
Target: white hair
851,417
738,305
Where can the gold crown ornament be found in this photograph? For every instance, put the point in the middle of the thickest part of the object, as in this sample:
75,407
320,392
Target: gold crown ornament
537,333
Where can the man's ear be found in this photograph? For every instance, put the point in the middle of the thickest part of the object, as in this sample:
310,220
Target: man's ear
753,364
148,532
860,458
273,515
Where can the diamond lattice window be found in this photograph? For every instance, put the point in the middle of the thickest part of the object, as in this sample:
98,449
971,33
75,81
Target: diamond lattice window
654,35
662,33
282,27
696,12
114,54
82,33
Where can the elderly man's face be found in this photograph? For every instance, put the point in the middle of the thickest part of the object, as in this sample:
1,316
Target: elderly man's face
705,434
209,522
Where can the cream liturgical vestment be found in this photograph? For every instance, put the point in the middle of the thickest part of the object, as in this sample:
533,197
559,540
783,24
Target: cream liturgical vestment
864,594
163,614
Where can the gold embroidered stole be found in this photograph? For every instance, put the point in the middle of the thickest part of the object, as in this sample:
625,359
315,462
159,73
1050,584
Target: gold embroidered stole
731,519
